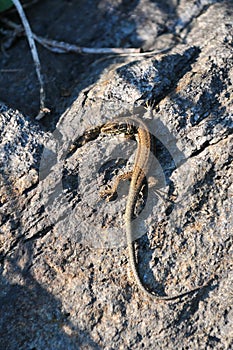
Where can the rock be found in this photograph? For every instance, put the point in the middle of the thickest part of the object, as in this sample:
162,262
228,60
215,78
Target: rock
66,282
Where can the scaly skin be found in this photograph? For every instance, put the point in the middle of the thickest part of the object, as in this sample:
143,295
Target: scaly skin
129,126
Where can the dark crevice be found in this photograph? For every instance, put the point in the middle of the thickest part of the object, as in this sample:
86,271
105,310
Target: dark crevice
39,234
20,238
201,149
207,144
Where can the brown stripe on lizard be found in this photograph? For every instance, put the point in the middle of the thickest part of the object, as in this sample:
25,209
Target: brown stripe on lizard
130,126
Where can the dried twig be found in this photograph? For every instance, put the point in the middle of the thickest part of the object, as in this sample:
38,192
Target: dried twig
24,5
63,47
35,57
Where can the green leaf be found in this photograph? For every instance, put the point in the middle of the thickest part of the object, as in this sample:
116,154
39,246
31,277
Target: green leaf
5,4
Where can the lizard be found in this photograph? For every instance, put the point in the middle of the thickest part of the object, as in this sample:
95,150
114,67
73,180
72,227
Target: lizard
130,126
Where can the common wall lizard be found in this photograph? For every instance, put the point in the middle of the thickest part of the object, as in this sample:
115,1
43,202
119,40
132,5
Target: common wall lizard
129,126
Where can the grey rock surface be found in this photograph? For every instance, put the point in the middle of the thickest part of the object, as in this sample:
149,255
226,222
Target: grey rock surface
65,278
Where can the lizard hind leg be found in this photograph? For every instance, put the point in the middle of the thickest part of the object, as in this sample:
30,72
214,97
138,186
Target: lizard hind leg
110,193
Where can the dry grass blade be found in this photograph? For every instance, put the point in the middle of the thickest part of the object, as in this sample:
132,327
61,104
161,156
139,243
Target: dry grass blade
29,34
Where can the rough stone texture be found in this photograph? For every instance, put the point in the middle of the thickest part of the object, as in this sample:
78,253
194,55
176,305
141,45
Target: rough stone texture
65,278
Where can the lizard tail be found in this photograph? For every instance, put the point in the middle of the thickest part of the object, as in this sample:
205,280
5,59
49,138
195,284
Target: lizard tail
133,263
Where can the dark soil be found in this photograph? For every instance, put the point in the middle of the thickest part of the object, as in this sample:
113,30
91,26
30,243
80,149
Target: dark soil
90,23
62,20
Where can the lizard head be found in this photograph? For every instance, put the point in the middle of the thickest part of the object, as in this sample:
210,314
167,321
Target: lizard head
118,127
